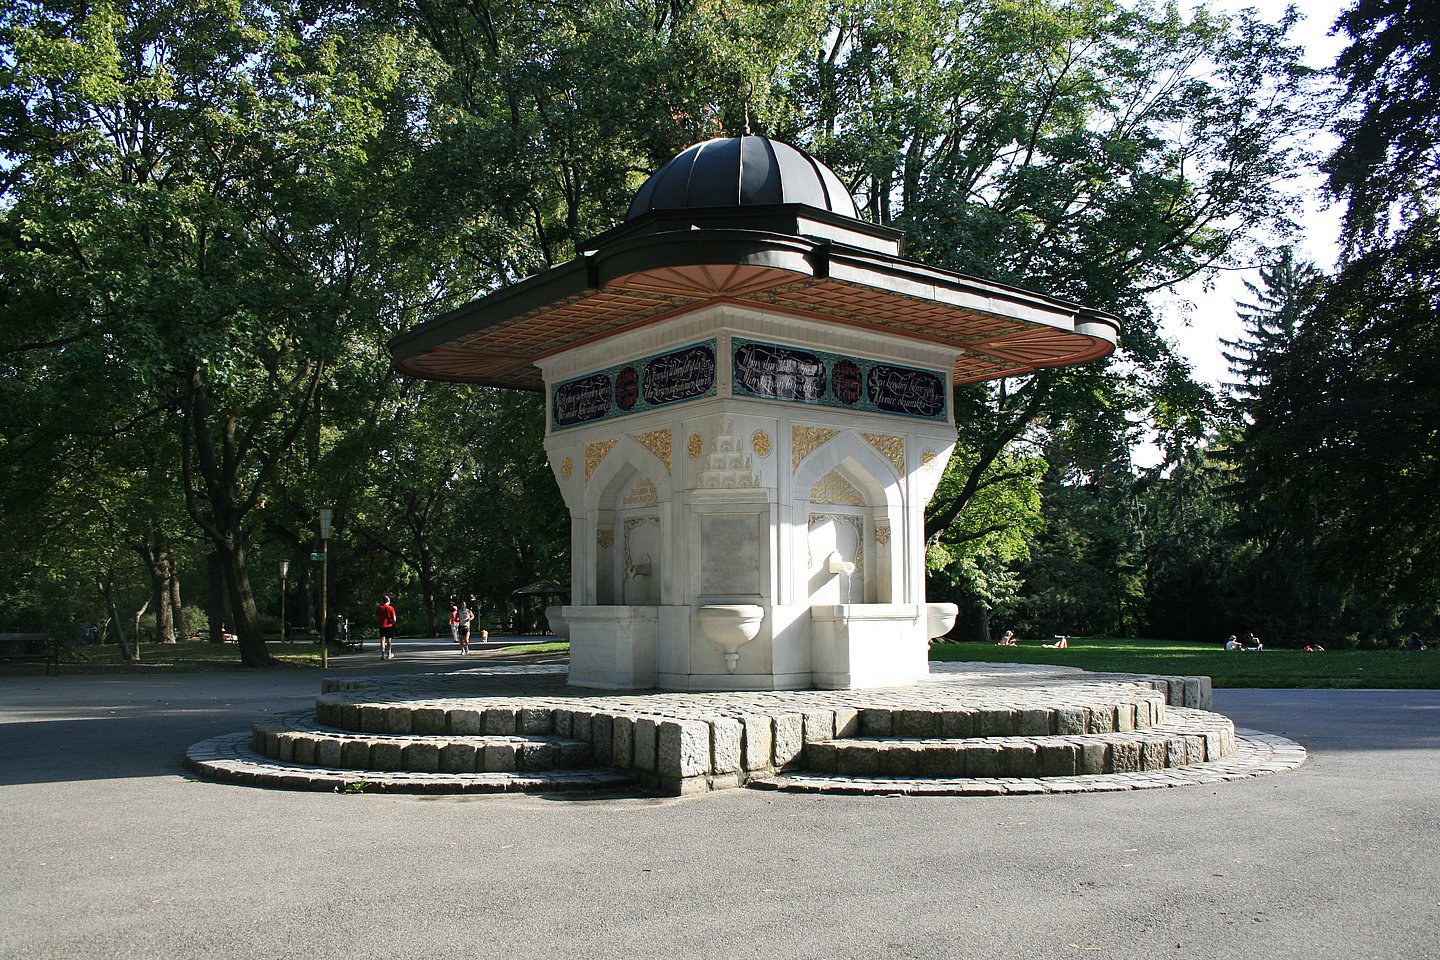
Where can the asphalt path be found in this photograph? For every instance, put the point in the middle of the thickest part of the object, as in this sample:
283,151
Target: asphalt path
109,849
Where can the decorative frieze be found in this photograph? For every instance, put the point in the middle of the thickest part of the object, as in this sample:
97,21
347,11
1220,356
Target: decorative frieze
677,375
771,371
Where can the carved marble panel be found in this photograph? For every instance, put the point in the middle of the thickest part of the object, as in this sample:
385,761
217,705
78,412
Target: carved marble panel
834,488
730,549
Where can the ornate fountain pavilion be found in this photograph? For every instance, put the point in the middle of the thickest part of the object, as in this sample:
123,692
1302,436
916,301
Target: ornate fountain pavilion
748,405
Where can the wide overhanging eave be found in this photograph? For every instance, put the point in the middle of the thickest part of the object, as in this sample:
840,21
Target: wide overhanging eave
643,276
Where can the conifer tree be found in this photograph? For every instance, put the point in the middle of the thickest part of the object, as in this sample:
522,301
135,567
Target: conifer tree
1286,290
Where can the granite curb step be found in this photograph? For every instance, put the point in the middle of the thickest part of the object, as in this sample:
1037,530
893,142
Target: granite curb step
231,759
360,711
961,730
299,739
1188,737
1256,754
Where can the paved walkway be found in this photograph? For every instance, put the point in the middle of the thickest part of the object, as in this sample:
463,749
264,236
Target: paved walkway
108,849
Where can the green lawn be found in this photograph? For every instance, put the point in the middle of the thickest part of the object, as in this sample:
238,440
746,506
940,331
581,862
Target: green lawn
557,646
200,656
186,656
1268,668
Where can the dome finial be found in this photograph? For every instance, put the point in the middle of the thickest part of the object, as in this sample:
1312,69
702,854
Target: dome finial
746,90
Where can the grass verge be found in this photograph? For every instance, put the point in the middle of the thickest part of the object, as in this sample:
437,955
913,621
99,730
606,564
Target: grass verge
185,656
1371,669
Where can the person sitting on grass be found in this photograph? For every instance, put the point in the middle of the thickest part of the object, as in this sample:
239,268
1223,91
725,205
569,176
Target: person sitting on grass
1061,643
1314,648
1254,643
1008,640
1233,643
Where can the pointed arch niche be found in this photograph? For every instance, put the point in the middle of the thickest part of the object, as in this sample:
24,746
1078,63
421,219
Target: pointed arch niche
627,507
847,501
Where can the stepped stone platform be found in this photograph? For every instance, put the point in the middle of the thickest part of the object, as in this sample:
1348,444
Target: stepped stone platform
965,729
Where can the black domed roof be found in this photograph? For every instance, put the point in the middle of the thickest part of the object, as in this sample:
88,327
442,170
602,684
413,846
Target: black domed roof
739,172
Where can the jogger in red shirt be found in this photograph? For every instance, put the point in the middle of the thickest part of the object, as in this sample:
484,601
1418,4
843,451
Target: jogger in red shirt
385,620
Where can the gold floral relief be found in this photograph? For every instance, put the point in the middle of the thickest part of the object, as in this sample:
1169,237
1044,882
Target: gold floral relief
882,533
605,538
695,446
805,440
834,488
643,492
760,442
594,454
658,443
889,447
928,458
566,468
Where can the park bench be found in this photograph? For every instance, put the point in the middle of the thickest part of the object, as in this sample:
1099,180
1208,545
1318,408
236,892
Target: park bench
30,648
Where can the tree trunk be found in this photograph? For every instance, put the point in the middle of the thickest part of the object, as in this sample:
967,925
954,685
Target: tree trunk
231,557
164,613
977,621
138,614
427,586
156,555
219,597
177,611
309,590
105,582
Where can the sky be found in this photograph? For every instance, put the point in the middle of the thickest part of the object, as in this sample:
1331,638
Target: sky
1198,319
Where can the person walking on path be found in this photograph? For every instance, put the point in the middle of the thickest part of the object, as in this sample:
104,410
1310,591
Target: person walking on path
463,626
385,620
454,624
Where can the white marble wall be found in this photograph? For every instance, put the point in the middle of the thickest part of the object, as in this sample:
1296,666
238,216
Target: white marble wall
732,500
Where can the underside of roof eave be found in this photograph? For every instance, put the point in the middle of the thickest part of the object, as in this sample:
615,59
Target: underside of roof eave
532,293
435,350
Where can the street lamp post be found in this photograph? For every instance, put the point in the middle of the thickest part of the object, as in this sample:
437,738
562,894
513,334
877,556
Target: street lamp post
327,512
284,572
